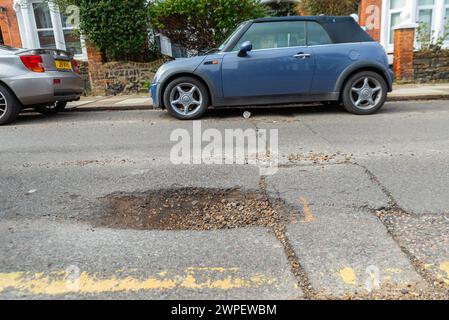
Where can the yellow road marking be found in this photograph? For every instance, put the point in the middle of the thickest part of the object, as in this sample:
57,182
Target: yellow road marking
308,215
444,266
57,283
348,275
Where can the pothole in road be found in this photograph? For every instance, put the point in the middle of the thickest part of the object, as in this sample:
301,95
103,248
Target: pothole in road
201,209
195,209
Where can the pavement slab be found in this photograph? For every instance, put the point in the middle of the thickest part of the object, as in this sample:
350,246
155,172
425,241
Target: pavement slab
61,260
348,251
426,238
418,184
336,186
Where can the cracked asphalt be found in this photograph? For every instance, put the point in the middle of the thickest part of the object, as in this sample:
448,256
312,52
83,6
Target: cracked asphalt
370,195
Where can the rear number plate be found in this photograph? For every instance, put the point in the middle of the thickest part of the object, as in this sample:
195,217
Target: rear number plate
63,65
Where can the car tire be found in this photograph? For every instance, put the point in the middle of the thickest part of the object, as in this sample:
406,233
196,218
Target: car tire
51,109
9,106
186,92
364,93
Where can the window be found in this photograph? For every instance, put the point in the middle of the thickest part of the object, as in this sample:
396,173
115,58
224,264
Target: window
71,36
316,35
55,30
226,42
2,42
446,19
268,35
425,14
44,26
396,7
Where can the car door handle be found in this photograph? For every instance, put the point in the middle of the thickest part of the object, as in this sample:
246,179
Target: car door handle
302,55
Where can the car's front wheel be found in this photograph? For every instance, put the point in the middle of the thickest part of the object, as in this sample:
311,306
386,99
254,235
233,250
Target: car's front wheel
51,109
186,98
9,106
364,93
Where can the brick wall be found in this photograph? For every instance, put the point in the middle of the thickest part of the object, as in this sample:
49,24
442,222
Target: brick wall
370,13
8,24
403,67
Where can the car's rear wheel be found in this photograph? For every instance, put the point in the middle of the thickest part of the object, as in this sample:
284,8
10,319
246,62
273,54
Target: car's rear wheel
9,106
186,98
364,93
51,109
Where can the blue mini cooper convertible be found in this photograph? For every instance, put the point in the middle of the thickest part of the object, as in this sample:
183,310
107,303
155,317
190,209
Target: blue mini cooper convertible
274,61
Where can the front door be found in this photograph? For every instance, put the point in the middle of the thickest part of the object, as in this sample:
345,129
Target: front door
280,63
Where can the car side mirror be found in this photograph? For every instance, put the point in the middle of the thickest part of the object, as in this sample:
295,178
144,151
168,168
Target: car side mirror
245,47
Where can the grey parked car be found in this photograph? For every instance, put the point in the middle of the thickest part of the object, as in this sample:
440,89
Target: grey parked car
42,79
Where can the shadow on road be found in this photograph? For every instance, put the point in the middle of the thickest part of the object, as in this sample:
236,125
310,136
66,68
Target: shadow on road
278,111
290,111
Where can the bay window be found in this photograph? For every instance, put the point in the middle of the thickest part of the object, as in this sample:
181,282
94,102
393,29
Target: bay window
42,25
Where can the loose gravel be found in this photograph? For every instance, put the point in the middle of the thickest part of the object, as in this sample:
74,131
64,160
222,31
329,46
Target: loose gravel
194,209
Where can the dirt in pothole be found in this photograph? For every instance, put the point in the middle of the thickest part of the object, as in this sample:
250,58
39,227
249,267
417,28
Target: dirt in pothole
194,209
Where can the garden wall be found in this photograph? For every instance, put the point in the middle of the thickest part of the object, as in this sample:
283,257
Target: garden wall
431,66
115,78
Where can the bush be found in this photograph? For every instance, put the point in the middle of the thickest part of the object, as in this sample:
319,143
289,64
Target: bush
281,9
429,40
118,28
327,7
201,24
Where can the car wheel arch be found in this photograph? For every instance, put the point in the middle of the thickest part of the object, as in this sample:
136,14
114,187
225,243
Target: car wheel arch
345,76
10,91
172,77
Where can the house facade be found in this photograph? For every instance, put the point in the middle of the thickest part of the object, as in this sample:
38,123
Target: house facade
381,17
40,24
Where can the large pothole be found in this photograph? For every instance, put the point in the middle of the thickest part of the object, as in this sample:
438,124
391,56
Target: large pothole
194,209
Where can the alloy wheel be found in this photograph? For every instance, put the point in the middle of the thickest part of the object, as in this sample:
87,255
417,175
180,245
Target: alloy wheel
366,93
186,99
3,105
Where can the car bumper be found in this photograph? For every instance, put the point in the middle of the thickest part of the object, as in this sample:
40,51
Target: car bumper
390,80
48,87
154,92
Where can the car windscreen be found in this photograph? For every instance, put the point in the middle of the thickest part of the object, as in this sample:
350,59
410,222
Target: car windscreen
237,30
345,31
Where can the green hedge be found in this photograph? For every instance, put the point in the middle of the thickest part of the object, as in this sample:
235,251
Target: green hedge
328,7
202,24
118,28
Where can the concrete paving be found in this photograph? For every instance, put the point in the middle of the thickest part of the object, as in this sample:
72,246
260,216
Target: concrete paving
414,186
146,265
349,251
335,186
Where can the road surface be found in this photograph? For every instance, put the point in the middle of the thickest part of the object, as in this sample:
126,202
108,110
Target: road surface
370,196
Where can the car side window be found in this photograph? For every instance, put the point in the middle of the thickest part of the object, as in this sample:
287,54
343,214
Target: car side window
270,35
316,35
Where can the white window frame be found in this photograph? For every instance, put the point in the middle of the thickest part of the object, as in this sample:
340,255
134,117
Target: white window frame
52,29
57,29
390,45
445,20
434,25
438,18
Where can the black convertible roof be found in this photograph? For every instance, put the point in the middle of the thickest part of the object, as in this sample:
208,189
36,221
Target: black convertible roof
340,29
306,18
